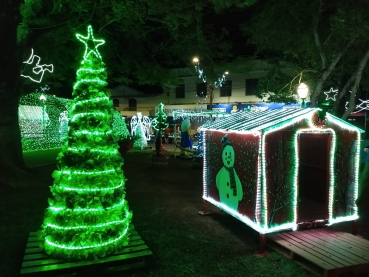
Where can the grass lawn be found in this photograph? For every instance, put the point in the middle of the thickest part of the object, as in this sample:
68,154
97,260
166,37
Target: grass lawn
165,202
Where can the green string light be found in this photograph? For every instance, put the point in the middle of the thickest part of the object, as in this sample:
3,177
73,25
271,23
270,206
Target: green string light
86,247
100,151
86,172
96,81
94,133
88,226
95,114
89,70
84,102
56,209
91,189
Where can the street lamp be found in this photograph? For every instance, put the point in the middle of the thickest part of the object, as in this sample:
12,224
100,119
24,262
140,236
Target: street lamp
195,60
43,99
302,91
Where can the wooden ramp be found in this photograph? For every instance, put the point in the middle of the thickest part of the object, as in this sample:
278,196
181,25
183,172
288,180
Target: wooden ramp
323,251
37,263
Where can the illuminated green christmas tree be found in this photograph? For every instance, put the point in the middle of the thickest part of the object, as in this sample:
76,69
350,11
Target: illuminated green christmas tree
119,126
88,216
159,123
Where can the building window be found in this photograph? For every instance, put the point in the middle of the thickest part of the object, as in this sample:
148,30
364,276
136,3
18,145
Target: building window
132,104
180,91
251,86
201,89
115,102
226,89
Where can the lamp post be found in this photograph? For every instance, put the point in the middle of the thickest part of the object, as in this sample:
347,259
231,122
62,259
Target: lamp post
303,91
43,99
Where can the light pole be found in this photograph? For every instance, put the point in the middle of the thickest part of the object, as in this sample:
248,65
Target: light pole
43,99
303,91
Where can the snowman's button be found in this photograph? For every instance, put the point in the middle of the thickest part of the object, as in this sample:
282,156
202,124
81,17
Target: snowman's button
227,195
227,184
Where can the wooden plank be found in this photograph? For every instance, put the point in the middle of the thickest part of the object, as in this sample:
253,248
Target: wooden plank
33,250
336,248
131,256
42,254
84,263
280,239
348,238
363,243
55,261
312,250
32,239
331,249
324,250
343,244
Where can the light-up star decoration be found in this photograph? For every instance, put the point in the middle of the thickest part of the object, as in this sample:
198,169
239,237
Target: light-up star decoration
38,69
91,43
331,94
363,106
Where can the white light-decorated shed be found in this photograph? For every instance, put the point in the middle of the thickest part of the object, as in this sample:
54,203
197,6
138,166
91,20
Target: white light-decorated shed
281,169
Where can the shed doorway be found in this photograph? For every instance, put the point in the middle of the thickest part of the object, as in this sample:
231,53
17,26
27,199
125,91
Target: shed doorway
313,190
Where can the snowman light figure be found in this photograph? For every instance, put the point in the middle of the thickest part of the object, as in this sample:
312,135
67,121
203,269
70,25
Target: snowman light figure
227,181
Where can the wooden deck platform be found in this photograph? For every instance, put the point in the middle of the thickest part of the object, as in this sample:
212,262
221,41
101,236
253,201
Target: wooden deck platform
37,263
323,251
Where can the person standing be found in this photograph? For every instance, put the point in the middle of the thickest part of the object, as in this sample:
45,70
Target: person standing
185,136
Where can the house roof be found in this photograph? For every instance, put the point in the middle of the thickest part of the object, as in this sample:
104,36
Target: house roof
261,120
123,91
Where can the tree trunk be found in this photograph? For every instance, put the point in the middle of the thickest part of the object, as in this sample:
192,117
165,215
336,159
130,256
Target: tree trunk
210,91
338,110
358,76
326,71
12,167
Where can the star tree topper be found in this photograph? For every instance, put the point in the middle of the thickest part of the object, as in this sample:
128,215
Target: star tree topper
91,43
331,94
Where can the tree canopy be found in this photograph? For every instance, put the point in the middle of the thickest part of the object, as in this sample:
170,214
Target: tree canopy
145,39
324,42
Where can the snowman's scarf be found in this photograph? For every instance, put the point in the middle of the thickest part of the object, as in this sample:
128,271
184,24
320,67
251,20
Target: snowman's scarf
233,179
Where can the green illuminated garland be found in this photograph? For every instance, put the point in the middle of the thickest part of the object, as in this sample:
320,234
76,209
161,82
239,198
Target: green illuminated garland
88,216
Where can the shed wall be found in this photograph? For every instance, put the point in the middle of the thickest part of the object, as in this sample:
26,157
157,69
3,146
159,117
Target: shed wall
246,154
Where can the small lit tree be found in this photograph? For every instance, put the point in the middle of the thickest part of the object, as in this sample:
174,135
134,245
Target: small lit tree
120,127
159,123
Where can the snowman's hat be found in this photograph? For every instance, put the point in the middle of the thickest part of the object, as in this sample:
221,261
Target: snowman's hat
225,141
